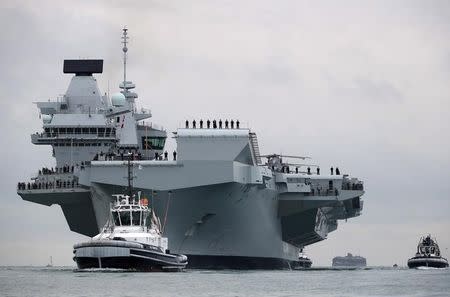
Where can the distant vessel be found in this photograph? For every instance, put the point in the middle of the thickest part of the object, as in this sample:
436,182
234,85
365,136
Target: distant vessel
50,264
349,261
131,239
303,261
428,254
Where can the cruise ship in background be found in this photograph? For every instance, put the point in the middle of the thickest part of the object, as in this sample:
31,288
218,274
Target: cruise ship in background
224,204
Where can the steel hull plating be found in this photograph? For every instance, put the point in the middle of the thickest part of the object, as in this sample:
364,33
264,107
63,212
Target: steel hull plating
219,224
120,256
238,262
436,262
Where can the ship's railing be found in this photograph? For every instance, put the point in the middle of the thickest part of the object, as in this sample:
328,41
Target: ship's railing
150,126
352,186
52,178
143,110
56,135
57,184
324,192
56,170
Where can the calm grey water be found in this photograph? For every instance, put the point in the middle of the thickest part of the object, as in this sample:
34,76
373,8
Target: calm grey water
64,281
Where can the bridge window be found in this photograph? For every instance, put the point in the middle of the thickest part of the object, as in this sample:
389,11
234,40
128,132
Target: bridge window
155,143
136,218
69,130
116,218
85,130
125,218
77,130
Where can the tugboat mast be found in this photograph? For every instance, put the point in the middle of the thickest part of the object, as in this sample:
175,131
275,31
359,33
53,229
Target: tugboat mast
130,178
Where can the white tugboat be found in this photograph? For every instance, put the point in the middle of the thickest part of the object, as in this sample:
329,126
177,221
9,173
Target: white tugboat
428,254
131,239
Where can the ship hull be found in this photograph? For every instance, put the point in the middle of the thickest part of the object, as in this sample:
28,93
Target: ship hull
224,226
125,255
435,262
302,264
240,263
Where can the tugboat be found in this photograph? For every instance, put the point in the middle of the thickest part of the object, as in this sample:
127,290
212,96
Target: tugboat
303,261
131,239
428,254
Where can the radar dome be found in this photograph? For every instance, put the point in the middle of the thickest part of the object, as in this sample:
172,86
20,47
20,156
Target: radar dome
118,99
46,118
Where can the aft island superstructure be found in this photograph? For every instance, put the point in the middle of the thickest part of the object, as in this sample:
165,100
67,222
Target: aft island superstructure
223,206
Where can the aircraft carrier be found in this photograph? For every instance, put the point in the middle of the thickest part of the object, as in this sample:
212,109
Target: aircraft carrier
223,204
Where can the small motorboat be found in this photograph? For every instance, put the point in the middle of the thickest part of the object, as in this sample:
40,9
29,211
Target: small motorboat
428,254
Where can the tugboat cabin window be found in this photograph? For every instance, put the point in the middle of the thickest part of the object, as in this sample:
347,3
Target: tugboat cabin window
116,218
125,218
136,218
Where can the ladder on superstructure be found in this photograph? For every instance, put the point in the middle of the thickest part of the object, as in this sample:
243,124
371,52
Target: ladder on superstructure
255,147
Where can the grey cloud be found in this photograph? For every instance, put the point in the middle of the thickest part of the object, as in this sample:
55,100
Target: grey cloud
377,91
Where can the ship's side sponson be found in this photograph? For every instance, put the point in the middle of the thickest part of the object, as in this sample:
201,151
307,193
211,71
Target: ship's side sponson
205,157
215,144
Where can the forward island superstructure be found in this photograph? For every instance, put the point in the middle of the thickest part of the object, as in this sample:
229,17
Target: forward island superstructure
224,207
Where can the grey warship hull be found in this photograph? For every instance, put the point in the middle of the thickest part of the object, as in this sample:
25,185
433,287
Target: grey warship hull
222,206
222,225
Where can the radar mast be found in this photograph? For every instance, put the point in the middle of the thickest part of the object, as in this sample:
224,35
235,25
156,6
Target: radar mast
126,86
125,50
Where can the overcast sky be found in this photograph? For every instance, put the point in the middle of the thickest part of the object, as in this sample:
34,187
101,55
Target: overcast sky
362,85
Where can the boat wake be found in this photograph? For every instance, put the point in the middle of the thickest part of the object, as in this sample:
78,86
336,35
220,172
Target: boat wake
431,268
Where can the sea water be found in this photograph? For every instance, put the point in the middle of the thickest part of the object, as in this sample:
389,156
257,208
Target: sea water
66,281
